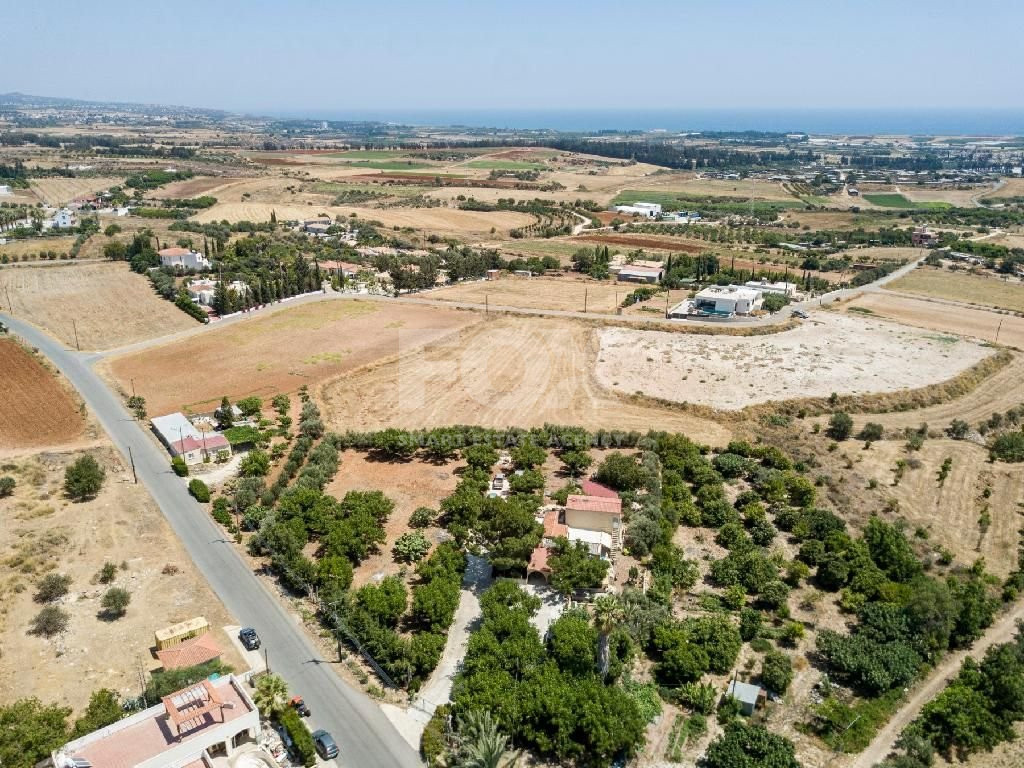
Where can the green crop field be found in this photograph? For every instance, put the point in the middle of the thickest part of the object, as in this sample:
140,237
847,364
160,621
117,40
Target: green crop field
505,165
389,165
899,201
673,200
368,154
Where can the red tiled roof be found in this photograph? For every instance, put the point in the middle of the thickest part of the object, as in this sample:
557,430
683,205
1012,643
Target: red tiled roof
193,651
539,560
593,488
594,504
553,528
213,441
343,265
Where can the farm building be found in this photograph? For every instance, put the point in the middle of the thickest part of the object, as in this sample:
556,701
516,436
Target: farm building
594,520
63,219
922,237
650,210
195,650
183,258
727,300
5,189
209,719
631,273
853,192
342,269
493,274
749,696
783,289
182,438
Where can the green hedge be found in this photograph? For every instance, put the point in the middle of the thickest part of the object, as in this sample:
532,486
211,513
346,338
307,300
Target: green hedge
300,736
199,490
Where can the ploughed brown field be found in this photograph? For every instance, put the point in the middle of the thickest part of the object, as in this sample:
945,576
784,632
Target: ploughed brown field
35,408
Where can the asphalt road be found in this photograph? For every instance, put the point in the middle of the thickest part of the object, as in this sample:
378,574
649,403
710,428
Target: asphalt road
365,737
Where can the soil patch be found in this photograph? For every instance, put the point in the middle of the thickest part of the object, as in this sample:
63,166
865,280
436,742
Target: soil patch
36,409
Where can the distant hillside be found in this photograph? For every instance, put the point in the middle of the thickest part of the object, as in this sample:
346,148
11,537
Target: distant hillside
17,100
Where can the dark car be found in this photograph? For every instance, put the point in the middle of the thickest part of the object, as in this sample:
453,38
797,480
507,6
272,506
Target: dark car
249,638
800,313
325,746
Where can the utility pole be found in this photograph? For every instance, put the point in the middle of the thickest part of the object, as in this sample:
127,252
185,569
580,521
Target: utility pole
133,387
487,305
10,307
75,327
999,328
266,659
586,291
131,458
667,293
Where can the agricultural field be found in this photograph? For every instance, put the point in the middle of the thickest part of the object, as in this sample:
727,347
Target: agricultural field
537,293
32,246
982,290
688,196
562,250
937,316
195,187
58,191
36,408
829,353
505,165
107,303
281,351
897,200
41,532
504,371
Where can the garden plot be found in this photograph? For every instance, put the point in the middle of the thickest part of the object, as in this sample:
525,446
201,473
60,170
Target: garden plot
827,354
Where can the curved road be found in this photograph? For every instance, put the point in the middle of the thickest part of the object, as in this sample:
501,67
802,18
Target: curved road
366,738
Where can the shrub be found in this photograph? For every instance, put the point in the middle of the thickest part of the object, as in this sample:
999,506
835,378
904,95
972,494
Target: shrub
50,621
411,547
199,490
255,464
53,587
6,486
870,432
1008,446
776,671
115,602
432,742
839,426
179,466
423,517
621,472
107,573
300,736
83,479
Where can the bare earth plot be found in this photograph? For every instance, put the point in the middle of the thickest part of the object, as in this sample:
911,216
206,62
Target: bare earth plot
830,353
268,354
950,512
963,287
58,190
109,304
979,323
537,293
40,532
35,408
507,371
195,187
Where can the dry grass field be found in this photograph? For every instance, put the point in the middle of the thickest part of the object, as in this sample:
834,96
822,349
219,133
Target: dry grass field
980,323
830,353
270,353
983,290
950,512
196,187
1011,188
15,249
59,191
36,409
504,371
537,293
109,304
41,532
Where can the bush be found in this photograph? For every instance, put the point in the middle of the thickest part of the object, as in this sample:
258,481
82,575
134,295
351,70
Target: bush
423,517
839,426
107,573
179,466
53,587
115,602
432,742
49,621
1008,446
870,432
6,486
411,547
776,671
621,472
255,464
199,490
300,736
83,479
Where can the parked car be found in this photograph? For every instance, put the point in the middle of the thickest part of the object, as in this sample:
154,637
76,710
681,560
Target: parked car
300,706
800,313
249,638
325,746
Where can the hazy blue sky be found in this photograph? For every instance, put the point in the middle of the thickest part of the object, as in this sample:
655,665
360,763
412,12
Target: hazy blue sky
388,54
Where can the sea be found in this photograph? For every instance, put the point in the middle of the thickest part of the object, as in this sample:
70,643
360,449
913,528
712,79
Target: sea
916,122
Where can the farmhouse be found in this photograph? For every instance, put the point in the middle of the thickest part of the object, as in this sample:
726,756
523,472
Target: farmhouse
635,274
183,258
921,237
182,438
594,520
193,726
650,210
64,219
727,300
342,269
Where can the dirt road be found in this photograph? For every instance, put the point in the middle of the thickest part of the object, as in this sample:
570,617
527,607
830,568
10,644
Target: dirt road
1000,632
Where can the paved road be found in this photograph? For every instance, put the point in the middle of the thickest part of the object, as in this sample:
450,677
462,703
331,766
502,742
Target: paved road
365,736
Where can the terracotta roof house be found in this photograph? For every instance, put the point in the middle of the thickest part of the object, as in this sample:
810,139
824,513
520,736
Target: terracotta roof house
197,650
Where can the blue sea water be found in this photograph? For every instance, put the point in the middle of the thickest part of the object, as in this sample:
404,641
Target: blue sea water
919,122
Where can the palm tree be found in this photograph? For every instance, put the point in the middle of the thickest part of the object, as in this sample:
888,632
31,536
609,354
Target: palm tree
270,695
481,744
607,615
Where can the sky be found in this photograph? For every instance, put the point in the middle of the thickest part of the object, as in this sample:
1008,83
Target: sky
327,57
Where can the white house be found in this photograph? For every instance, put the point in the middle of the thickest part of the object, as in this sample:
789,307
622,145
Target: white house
195,726
183,258
201,291
784,289
64,219
5,189
727,300
650,210
184,439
